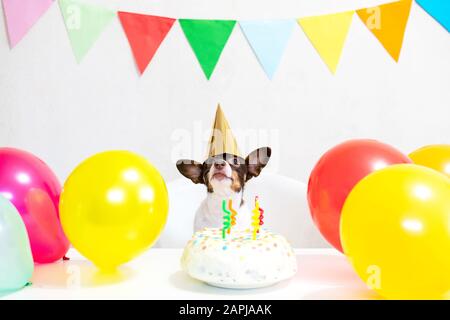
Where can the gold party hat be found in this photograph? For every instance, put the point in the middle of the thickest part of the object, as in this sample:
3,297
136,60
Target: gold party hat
222,139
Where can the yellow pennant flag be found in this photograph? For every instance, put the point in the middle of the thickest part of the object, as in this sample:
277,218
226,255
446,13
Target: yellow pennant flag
327,34
388,22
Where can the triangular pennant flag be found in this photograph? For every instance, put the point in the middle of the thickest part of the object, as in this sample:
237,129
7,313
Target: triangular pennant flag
438,9
207,39
145,34
84,23
388,22
327,34
268,39
21,15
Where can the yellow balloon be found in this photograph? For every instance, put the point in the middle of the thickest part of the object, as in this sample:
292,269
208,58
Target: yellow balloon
436,157
395,230
113,207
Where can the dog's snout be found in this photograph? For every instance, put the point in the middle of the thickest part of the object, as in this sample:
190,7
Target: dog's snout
219,164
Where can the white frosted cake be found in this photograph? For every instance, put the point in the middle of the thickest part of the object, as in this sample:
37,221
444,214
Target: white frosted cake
239,261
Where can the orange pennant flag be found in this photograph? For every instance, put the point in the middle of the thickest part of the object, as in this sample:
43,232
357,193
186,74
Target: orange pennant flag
388,22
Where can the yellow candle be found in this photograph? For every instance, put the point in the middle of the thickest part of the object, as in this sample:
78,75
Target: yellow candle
255,218
233,215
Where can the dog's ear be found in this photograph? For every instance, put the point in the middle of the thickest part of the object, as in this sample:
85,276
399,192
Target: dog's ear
191,169
256,161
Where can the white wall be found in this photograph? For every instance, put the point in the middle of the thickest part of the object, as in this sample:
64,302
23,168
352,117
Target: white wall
64,112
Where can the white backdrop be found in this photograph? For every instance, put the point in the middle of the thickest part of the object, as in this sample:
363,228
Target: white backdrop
64,112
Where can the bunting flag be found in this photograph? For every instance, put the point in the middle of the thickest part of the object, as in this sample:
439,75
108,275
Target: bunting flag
207,39
268,39
327,34
84,23
438,9
145,34
388,22
21,15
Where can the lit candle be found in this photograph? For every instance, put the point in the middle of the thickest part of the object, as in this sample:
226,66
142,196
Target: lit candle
256,218
226,219
233,214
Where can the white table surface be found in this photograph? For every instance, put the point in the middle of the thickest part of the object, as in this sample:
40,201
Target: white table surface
322,274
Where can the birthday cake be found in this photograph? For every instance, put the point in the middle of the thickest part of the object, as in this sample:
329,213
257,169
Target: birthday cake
239,260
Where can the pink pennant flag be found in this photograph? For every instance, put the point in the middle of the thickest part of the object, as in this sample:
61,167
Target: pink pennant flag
21,15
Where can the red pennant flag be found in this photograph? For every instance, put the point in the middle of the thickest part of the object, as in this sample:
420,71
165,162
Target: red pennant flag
145,34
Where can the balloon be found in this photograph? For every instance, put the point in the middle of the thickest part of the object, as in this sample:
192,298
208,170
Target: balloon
436,157
16,261
113,207
395,229
337,172
33,188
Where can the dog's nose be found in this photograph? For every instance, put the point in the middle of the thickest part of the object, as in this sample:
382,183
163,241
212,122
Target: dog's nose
219,164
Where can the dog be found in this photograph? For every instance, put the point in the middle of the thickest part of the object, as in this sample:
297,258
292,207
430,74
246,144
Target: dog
224,176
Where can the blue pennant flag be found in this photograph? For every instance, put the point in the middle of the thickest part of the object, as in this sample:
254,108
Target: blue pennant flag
268,39
438,9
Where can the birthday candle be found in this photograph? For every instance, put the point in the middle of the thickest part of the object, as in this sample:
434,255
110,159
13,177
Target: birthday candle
233,214
226,219
256,218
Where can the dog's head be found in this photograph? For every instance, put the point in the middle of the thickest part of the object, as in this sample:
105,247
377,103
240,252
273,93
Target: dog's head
225,173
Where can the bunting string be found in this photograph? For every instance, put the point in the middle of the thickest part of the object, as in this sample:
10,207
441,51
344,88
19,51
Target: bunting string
85,22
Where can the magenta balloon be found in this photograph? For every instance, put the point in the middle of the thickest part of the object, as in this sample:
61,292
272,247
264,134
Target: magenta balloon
33,188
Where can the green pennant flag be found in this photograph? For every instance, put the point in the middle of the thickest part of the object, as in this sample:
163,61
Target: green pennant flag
207,39
84,23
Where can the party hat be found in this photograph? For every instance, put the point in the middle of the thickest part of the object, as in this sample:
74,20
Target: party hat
222,139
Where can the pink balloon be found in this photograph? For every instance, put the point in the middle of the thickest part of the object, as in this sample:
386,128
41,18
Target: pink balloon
33,188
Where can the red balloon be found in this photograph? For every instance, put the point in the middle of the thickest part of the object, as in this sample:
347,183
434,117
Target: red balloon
33,188
335,175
